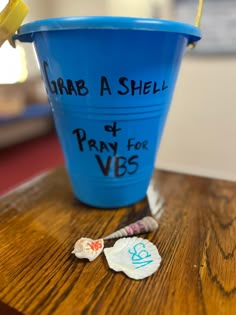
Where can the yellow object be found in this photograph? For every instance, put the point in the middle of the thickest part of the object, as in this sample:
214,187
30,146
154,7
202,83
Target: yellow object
11,18
199,13
198,18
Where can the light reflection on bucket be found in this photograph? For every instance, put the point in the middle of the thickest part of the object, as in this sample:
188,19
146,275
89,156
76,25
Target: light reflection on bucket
110,82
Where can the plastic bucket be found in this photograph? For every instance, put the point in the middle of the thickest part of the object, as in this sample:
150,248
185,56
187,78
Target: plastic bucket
110,83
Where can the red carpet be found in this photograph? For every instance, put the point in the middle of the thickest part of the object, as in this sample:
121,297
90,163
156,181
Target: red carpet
24,161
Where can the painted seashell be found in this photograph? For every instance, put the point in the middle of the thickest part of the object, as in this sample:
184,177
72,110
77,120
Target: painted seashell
145,225
138,258
88,248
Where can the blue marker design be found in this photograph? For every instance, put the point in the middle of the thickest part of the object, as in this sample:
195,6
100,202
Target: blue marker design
140,256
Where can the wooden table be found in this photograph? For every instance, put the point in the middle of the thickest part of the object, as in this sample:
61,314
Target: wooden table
40,222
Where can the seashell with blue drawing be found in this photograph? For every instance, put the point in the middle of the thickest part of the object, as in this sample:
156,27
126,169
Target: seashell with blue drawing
138,258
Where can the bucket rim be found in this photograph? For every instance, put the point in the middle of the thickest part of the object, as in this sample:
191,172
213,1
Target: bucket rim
192,32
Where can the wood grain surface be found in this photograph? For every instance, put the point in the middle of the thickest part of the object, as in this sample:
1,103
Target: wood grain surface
40,222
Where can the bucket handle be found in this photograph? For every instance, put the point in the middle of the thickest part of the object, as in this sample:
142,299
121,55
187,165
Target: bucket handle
198,19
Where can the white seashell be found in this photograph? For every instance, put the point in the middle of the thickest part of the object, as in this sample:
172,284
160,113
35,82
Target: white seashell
88,248
138,258
145,225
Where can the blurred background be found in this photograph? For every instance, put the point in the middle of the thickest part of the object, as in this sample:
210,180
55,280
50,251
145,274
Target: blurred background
199,137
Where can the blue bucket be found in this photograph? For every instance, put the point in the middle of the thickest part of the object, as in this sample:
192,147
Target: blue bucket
110,82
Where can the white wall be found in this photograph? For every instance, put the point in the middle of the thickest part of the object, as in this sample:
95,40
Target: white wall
200,133
130,8
78,7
